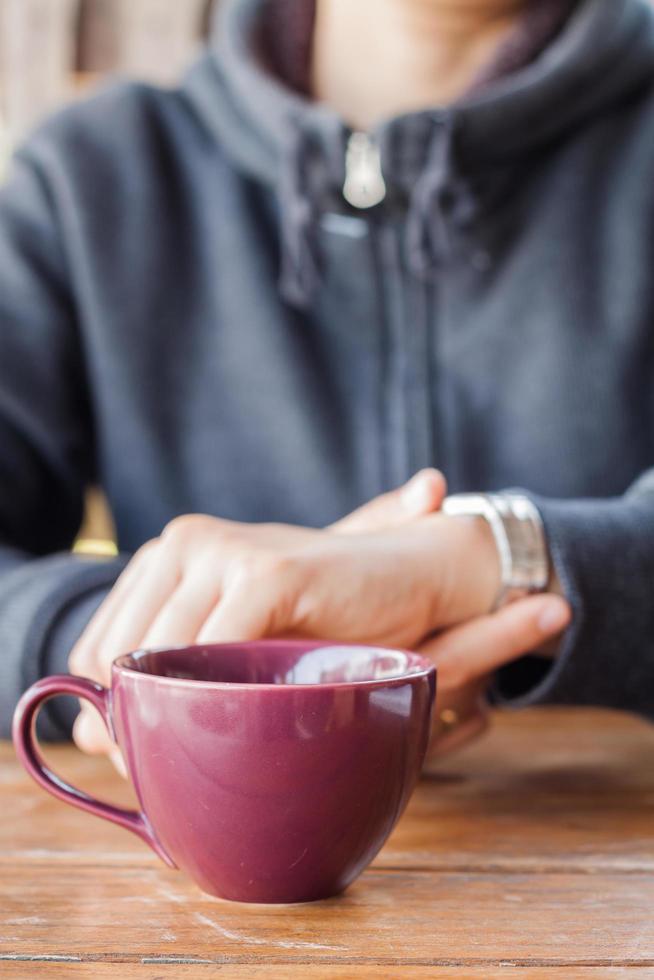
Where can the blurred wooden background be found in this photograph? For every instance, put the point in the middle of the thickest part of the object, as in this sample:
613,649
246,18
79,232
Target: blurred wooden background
52,50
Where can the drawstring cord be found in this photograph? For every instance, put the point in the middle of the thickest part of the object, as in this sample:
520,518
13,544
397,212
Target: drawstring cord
300,260
299,201
442,203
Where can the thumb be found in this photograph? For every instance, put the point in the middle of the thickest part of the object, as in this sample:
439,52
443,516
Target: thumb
422,495
480,646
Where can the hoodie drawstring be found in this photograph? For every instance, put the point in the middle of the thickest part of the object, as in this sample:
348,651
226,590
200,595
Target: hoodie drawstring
442,204
300,259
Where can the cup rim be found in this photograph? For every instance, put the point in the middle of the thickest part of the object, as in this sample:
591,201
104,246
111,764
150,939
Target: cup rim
422,667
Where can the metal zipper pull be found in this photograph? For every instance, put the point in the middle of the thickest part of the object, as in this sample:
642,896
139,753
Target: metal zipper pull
364,181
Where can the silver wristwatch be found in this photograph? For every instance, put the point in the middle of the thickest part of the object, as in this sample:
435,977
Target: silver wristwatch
519,535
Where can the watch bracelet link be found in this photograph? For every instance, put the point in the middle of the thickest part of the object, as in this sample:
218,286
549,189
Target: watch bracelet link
519,535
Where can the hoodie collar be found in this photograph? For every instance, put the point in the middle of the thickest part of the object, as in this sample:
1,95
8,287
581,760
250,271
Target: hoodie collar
288,26
604,51
274,133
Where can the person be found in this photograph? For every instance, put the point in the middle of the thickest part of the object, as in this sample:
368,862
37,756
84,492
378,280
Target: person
359,242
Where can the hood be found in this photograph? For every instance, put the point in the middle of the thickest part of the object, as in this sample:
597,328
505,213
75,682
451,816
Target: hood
277,135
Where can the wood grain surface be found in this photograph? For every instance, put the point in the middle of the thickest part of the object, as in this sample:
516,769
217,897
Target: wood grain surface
530,854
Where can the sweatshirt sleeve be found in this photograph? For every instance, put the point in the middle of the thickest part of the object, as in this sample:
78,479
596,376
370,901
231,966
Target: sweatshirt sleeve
603,552
46,441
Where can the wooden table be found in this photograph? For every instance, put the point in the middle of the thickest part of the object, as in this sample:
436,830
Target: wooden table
530,854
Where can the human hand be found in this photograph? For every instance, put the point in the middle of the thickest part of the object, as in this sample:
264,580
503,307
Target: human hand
207,580
173,610
467,655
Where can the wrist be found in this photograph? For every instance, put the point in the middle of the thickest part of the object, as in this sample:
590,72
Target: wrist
519,536
468,565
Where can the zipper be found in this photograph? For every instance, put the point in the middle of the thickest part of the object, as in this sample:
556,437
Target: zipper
407,423
364,185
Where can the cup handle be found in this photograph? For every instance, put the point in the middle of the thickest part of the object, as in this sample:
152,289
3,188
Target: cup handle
25,742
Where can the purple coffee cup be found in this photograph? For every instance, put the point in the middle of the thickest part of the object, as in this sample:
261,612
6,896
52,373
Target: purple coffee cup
269,772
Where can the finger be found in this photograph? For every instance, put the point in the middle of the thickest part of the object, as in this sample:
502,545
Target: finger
90,733
260,601
81,653
91,736
460,715
134,617
449,739
238,617
118,762
186,611
482,645
422,495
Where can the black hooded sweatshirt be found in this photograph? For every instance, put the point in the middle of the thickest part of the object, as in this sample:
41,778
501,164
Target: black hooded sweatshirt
192,316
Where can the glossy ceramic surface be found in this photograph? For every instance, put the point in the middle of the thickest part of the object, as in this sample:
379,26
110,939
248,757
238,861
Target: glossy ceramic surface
269,772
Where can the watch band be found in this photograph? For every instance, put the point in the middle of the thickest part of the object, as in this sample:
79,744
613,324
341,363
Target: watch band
519,535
